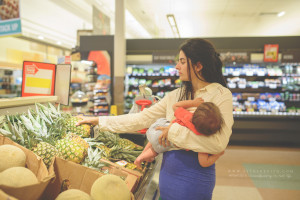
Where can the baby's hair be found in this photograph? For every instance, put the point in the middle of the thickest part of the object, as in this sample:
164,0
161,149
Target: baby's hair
207,118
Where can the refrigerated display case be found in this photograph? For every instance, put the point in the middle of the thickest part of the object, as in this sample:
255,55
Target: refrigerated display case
160,78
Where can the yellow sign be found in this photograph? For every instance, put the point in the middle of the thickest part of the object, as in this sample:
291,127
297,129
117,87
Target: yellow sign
38,82
113,110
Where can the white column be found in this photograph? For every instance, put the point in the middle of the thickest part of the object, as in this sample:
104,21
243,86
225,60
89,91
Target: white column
119,40
119,54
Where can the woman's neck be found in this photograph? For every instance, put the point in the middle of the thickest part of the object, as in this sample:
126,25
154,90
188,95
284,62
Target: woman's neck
199,84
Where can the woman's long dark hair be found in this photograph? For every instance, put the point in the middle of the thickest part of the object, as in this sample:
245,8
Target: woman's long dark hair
200,50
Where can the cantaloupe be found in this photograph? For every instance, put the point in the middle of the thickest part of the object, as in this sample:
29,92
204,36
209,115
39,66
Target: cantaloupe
17,177
11,156
110,187
73,194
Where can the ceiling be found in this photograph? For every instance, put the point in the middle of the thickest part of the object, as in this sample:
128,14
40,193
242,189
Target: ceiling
59,20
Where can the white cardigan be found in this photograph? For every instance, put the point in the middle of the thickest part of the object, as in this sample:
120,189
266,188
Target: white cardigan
179,135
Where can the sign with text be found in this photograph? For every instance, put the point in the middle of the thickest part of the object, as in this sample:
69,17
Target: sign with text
10,22
38,79
271,52
290,56
164,57
237,57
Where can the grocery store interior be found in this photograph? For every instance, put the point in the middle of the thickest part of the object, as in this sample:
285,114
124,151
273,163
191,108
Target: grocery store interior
105,56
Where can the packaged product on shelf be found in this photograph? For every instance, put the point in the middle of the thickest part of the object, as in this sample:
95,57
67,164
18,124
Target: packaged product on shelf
100,108
261,71
168,82
142,81
79,98
135,71
148,82
129,70
142,72
242,83
134,81
150,72
177,82
155,83
262,106
236,72
162,71
161,83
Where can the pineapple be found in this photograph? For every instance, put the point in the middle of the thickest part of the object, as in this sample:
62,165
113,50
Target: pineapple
120,153
47,152
105,151
93,160
109,139
83,130
73,147
125,143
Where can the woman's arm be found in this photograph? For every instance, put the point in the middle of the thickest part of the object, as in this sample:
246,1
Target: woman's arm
216,143
132,122
188,103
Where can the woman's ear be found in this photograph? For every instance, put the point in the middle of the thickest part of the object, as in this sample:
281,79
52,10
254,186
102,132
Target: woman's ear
198,67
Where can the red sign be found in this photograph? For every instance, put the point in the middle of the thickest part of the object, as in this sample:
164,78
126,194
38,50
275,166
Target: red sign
271,52
38,79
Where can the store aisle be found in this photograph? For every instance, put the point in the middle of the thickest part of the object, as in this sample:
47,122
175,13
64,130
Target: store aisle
258,173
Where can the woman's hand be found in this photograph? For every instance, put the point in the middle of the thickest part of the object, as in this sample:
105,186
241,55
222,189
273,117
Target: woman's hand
88,120
163,138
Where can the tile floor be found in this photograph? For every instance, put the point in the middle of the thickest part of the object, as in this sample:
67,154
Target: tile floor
258,173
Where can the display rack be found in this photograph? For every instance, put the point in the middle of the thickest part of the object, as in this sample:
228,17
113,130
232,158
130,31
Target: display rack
160,78
266,104
101,101
264,89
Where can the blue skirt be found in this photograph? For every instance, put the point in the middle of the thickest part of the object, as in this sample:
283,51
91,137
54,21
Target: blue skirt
182,178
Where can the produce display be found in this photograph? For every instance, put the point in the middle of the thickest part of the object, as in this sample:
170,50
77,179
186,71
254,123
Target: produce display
50,133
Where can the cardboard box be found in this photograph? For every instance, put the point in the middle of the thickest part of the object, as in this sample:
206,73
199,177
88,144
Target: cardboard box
136,173
79,177
5,196
37,166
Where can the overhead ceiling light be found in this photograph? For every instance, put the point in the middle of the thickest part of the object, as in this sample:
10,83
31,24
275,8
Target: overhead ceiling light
173,24
58,42
171,20
280,14
41,37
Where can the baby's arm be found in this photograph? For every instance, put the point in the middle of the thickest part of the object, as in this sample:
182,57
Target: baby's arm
188,103
207,160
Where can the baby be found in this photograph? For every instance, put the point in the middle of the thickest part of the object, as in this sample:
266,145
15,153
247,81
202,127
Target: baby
206,120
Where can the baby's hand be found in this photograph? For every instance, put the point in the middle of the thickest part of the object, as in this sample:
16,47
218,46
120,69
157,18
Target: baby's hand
138,162
198,101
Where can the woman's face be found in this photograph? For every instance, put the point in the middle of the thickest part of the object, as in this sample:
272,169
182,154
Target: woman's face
182,67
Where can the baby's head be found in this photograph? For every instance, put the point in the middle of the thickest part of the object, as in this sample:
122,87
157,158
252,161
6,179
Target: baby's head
207,118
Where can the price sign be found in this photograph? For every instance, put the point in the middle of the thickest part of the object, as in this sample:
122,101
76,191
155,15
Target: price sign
38,79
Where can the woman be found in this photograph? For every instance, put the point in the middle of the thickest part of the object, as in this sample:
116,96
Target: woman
181,176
